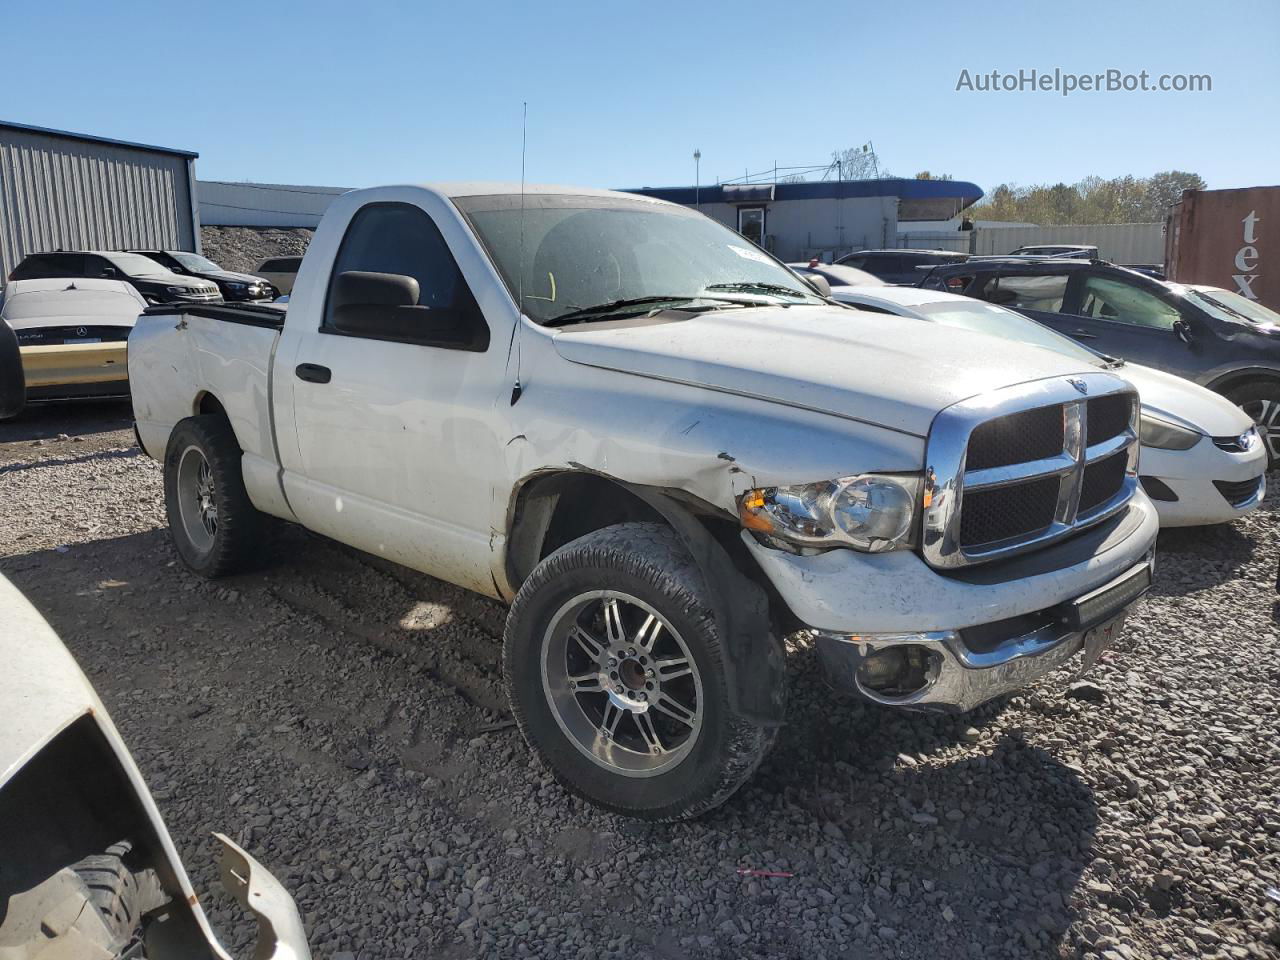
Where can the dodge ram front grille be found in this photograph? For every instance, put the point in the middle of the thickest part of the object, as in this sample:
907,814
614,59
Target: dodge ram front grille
1017,438
1000,513
1026,466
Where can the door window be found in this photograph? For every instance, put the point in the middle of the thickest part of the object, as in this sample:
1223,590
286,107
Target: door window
751,224
1124,303
400,238
1043,292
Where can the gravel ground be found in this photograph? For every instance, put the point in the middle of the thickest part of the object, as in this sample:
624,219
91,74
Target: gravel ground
243,248
342,718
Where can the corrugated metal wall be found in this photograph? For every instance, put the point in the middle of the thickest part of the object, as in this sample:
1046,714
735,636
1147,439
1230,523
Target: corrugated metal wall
1117,242
56,192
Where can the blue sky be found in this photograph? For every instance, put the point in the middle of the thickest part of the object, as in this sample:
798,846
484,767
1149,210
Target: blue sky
348,94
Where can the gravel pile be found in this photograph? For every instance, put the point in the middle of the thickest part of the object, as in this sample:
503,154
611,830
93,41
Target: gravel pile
243,248
341,717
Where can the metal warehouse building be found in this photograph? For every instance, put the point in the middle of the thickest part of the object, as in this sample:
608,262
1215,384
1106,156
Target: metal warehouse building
824,218
75,191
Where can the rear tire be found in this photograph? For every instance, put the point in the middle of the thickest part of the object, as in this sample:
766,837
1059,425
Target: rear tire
1260,399
215,527
614,669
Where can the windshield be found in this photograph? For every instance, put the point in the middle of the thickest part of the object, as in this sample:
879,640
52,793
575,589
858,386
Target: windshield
195,262
136,265
1226,305
998,322
585,252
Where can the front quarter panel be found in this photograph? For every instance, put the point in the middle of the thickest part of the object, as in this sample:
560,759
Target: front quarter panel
709,444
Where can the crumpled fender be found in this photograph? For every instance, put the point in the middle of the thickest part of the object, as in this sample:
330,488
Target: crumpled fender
280,932
754,658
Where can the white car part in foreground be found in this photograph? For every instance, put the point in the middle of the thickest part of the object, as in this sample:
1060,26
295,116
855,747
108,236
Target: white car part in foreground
66,781
1202,460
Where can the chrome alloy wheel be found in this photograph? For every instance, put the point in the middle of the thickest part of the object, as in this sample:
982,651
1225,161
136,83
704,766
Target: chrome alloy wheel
1266,416
621,683
197,498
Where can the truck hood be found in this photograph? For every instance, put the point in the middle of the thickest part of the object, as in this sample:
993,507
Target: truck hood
847,363
229,276
1185,403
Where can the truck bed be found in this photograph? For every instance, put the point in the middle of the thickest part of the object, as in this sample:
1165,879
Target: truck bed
186,358
269,315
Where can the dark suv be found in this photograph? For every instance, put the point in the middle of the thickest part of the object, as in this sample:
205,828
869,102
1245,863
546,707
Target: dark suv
899,266
233,286
1215,337
154,282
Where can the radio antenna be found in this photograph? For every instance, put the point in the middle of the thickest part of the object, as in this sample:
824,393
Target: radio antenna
516,389
524,141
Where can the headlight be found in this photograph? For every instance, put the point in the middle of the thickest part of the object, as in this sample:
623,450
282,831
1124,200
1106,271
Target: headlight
873,512
181,291
1163,435
237,286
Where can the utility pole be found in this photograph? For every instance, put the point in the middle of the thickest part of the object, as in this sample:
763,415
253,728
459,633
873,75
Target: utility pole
697,177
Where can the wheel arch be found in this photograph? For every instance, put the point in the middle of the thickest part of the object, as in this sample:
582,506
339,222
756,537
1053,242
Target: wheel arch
1238,378
553,508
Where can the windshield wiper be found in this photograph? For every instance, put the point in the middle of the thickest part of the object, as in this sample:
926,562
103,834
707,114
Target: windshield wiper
586,313
752,286
1113,363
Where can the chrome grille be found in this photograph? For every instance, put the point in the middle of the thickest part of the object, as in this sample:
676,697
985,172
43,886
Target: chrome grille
1027,465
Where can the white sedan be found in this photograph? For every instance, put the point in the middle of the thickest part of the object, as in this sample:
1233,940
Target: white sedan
1202,460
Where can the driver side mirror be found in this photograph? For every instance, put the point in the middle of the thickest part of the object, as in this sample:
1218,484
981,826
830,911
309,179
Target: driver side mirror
380,306
110,272
819,283
1182,329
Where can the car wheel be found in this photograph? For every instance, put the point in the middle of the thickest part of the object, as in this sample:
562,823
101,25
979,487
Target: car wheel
1261,401
215,527
614,668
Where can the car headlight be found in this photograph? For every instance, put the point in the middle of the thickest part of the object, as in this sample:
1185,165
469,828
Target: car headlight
238,287
180,290
873,512
1163,435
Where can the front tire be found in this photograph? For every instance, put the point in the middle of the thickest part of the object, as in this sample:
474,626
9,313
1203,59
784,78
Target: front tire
216,529
614,669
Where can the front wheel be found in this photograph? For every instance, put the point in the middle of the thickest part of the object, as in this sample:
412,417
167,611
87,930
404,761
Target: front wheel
1261,401
614,667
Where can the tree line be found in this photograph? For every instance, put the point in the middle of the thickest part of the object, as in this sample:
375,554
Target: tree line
1125,199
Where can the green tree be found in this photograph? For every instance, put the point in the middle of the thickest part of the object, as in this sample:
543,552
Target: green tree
1126,199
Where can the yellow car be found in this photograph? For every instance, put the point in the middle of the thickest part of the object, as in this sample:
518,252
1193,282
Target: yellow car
72,335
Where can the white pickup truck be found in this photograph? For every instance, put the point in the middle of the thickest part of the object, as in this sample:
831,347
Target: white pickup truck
665,451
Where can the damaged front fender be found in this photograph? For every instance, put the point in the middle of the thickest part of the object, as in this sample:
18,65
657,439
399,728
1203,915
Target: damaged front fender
280,932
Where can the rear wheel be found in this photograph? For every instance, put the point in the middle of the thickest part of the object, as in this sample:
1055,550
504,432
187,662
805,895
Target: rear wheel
1261,401
615,672
215,527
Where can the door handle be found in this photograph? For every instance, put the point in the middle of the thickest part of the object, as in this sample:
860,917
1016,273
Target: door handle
313,373
1084,335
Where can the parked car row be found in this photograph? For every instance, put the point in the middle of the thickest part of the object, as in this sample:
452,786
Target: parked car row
666,450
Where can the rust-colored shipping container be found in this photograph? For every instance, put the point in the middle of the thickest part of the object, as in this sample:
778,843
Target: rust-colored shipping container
1227,238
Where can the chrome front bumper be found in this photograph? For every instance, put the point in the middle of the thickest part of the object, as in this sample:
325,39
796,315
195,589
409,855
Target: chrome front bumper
956,675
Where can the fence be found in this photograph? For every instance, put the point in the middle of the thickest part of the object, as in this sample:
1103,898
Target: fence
957,240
